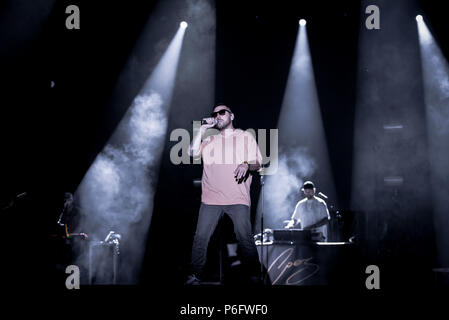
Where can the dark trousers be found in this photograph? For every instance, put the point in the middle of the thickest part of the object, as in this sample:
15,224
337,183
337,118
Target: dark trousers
207,222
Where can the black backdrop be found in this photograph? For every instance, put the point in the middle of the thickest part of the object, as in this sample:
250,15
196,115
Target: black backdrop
50,136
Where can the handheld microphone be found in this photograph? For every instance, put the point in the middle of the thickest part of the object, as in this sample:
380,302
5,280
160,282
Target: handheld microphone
204,121
323,195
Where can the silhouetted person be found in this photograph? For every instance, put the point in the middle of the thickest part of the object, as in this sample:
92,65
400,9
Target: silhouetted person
311,213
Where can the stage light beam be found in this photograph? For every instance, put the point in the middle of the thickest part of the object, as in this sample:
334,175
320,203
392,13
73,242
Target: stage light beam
390,189
435,70
303,151
117,191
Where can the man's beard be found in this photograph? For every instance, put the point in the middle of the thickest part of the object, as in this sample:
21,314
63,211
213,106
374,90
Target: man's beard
222,124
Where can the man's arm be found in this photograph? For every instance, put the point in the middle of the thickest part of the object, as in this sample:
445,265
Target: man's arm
324,220
195,146
242,169
293,221
320,223
254,164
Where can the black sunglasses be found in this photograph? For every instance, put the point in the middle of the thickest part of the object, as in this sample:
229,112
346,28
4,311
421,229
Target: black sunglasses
221,112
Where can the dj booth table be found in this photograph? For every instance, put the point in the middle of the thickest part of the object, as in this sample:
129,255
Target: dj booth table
292,258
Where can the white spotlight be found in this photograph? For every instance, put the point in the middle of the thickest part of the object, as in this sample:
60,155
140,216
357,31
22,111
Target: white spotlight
302,22
419,18
183,24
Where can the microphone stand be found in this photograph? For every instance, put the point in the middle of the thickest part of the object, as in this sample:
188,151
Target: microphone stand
262,269
330,224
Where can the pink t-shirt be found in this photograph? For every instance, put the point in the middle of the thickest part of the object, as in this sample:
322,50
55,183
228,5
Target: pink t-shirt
221,154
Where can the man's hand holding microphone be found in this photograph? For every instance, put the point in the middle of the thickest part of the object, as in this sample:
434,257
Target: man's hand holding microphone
206,123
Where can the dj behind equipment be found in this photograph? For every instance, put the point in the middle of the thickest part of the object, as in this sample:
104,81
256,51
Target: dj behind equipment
301,253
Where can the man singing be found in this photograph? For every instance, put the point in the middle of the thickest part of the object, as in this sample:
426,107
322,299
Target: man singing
311,213
228,158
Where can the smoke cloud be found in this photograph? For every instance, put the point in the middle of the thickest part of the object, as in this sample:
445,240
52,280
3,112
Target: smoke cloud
117,191
282,190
